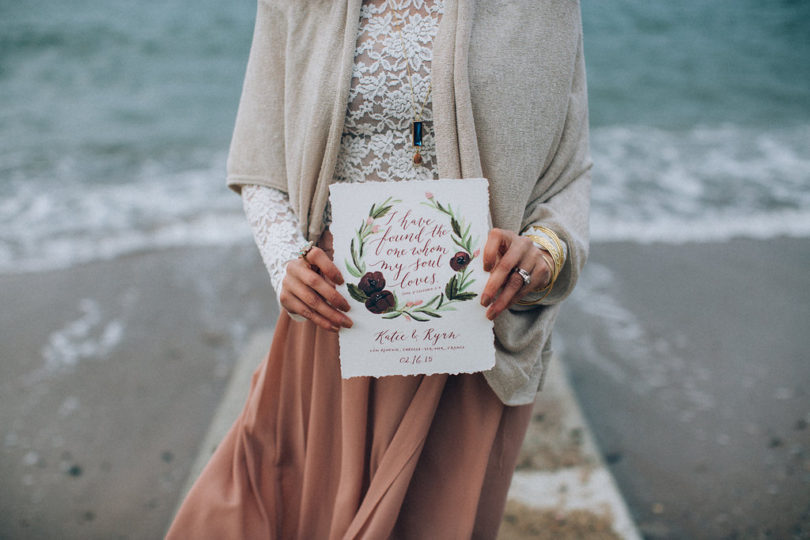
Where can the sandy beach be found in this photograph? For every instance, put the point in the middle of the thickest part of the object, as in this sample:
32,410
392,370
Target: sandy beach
110,373
689,362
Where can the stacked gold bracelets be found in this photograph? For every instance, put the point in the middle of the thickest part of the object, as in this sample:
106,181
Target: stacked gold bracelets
549,241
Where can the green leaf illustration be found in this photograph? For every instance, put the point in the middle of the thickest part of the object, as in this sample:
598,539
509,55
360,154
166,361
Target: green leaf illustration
454,290
466,284
456,227
451,288
356,293
352,270
382,211
459,244
354,255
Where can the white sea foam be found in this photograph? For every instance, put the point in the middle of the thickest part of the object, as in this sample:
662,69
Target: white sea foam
701,184
649,185
89,336
47,225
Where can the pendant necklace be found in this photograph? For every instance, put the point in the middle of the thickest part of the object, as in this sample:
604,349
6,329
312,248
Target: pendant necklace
416,125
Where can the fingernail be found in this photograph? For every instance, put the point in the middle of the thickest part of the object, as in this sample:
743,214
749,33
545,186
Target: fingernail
485,300
339,280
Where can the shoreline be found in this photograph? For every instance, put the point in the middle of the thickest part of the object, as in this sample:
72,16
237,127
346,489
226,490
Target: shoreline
246,245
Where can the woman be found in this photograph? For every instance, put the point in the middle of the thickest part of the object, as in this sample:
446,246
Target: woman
500,89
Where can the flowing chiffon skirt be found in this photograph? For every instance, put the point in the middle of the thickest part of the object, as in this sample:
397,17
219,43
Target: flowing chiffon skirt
315,456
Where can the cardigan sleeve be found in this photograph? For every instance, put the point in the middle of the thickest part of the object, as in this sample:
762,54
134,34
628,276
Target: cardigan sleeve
565,205
258,136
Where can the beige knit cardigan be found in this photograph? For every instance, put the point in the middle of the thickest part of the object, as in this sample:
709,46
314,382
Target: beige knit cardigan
509,104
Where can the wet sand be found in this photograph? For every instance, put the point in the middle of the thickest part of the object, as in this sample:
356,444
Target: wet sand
689,361
109,375
691,364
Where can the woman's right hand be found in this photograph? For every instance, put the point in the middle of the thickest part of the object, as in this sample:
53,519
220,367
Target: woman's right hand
308,290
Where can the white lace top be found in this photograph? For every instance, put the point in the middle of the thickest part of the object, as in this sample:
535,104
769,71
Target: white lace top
376,141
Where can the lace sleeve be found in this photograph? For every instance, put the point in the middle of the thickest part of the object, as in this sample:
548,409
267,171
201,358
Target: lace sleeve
275,228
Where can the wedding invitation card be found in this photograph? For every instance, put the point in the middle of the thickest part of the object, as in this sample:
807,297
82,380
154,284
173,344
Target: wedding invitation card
411,255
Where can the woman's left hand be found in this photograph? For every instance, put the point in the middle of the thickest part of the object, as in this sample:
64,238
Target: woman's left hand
503,253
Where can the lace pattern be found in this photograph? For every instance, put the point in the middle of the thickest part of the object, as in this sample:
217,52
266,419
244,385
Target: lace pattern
376,141
275,228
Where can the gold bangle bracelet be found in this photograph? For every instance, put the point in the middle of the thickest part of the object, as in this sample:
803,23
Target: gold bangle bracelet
548,232
552,244
556,256
535,302
553,251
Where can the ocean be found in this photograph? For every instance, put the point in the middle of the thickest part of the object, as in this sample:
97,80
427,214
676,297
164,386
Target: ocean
116,118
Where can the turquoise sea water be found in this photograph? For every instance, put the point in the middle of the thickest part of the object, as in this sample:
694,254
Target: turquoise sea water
116,117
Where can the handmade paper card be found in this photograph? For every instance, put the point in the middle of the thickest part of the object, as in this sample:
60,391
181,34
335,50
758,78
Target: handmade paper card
411,255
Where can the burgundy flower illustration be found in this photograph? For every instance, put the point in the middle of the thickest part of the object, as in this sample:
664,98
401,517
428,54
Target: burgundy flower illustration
380,302
371,282
460,260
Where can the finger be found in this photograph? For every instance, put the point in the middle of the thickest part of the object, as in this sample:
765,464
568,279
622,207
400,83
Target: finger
319,283
294,305
495,244
495,239
314,304
305,284
325,289
319,258
513,286
498,276
539,269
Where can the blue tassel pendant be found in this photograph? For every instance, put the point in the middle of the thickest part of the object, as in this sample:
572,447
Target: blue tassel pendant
417,142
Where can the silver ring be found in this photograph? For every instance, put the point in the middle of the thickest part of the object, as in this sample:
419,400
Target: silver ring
305,249
527,277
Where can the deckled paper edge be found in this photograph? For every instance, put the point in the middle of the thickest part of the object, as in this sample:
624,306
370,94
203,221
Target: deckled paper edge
337,186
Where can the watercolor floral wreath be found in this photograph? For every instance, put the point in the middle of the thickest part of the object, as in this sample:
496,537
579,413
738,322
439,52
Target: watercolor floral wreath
370,290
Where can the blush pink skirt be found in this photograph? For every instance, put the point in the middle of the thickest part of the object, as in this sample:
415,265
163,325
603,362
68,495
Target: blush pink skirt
315,456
